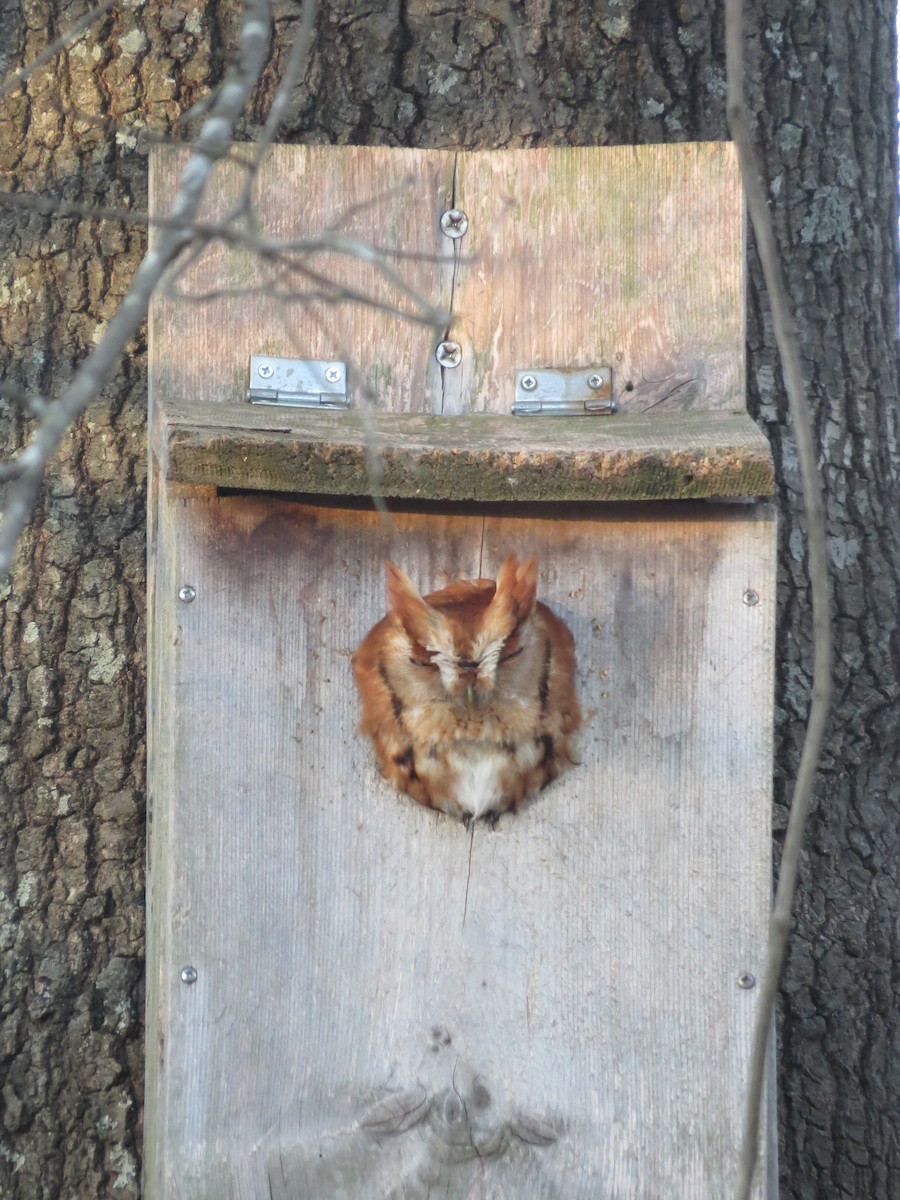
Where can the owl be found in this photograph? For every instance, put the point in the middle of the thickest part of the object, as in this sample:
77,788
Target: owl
468,694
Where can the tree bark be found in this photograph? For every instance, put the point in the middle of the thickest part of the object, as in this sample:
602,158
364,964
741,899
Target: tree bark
429,74
823,78
72,618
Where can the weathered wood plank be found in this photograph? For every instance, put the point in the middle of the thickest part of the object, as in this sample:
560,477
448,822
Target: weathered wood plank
376,1011
163,766
471,457
381,210
625,256
630,256
586,1008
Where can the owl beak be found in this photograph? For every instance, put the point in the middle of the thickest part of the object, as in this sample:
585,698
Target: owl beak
470,694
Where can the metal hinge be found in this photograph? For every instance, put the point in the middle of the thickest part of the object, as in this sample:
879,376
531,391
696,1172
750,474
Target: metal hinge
298,382
584,391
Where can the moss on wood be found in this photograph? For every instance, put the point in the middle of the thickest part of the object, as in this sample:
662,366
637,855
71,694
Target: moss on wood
473,457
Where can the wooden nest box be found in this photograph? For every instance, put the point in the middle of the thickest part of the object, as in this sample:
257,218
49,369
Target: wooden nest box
349,995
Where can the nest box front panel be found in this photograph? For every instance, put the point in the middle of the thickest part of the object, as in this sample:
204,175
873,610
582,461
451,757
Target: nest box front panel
350,994
354,996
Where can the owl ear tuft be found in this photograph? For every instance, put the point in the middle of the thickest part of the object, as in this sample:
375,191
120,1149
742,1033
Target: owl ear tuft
514,598
419,619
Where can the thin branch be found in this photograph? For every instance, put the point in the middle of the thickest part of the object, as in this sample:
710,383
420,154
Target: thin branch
197,110
366,407
529,80
303,39
367,203
329,293
30,401
98,367
17,78
235,235
789,351
427,312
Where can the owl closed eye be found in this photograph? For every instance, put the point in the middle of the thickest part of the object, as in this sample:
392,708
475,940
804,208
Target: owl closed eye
468,694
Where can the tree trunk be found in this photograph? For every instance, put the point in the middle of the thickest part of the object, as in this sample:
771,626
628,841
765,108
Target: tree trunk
823,83
423,73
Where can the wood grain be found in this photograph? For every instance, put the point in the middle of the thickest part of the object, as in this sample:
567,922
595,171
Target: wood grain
382,1008
231,302
626,256
629,256
467,457
587,1009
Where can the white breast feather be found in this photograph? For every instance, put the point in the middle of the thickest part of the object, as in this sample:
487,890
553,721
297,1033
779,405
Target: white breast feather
477,778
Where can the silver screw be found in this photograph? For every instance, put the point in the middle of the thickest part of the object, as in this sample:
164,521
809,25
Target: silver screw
595,381
746,981
188,975
187,594
333,374
265,370
449,354
528,382
751,598
454,222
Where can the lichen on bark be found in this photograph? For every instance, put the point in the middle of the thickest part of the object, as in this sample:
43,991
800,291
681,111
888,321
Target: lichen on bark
429,74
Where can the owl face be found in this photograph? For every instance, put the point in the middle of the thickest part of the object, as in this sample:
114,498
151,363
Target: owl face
468,693
467,666
465,635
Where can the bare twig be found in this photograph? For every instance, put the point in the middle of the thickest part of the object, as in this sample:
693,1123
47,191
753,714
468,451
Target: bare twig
32,403
327,292
788,348
326,288
302,44
367,412
17,78
212,143
181,238
389,195
529,81
222,231
290,253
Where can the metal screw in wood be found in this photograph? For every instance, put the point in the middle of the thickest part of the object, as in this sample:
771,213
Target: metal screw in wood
454,222
449,354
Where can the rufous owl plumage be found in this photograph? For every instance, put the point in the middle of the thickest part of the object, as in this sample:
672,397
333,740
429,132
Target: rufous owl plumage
468,694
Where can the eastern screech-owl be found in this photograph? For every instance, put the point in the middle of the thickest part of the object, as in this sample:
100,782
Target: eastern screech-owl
469,693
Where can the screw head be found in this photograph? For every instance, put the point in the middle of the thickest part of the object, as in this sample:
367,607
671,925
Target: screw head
454,222
333,374
189,975
746,981
187,594
528,383
595,381
751,598
265,370
449,354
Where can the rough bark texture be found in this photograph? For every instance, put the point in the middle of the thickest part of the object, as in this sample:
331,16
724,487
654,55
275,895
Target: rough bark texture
823,79
425,73
72,620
